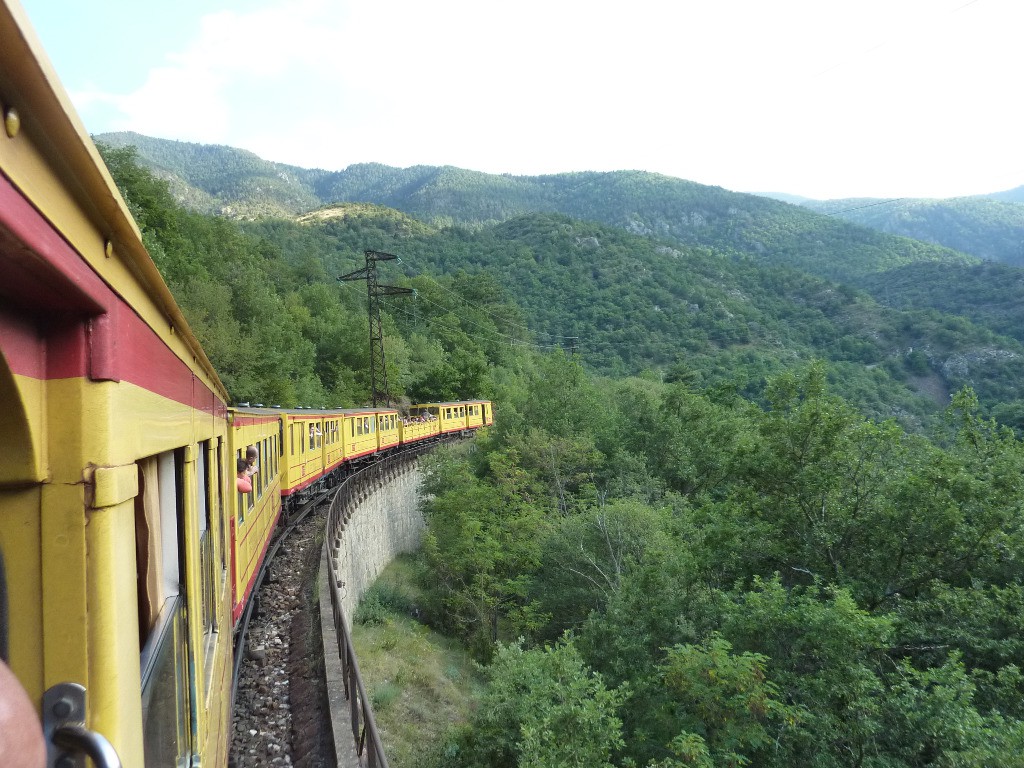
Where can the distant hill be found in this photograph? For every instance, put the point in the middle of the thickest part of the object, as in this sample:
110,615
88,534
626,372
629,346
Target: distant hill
646,272
241,185
1015,195
786,197
986,227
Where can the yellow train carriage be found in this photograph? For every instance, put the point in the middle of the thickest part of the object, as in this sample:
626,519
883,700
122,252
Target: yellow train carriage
420,424
334,443
114,435
359,433
388,431
362,431
479,413
303,459
256,446
452,416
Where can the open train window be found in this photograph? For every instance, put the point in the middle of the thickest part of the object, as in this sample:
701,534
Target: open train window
158,509
205,507
163,622
240,505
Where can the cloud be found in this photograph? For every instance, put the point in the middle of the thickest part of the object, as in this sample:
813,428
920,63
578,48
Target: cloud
795,95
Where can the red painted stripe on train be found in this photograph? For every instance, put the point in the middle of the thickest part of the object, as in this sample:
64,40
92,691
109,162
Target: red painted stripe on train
89,330
252,421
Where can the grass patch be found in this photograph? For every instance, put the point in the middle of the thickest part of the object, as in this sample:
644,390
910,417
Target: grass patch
423,685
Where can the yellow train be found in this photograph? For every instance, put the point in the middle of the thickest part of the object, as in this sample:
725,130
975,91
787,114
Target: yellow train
131,536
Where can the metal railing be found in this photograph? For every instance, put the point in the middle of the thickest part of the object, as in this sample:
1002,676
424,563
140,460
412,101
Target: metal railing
364,726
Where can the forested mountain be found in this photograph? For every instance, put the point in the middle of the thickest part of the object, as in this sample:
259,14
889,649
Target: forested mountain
648,204
991,229
635,302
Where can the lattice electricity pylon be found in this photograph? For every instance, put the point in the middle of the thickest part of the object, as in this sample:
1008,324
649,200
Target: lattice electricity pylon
378,370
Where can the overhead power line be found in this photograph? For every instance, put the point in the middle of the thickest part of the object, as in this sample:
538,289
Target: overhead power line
861,207
469,303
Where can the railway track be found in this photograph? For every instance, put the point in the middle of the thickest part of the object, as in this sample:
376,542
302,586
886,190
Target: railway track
281,714
280,709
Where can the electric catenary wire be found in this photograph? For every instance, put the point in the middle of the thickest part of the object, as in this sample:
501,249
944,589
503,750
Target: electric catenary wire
486,312
513,340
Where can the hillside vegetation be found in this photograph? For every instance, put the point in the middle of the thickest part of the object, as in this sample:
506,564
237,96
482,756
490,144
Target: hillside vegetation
649,204
632,302
988,229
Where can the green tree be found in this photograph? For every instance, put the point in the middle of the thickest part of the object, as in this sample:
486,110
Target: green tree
543,709
724,704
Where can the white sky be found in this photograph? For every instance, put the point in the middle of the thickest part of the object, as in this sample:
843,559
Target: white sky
823,98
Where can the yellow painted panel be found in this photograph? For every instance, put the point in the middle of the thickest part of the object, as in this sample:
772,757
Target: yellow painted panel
65,640
115,693
114,485
115,424
19,540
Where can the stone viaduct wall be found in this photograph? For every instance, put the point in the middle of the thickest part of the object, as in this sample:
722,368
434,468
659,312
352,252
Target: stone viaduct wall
383,521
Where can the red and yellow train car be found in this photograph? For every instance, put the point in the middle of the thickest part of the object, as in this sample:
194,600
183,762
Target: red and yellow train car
303,460
114,433
451,415
479,414
255,433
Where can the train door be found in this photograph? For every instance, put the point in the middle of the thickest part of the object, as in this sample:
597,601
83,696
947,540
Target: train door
167,677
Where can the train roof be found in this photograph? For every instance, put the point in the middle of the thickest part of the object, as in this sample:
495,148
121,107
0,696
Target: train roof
53,162
446,404
261,411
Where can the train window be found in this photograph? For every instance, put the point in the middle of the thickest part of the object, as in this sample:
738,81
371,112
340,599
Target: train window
163,628
157,511
291,437
204,516
164,632
257,480
218,494
241,496
359,426
263,465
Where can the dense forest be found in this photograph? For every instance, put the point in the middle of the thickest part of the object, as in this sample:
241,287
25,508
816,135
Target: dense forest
760,518
664,577
987,228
